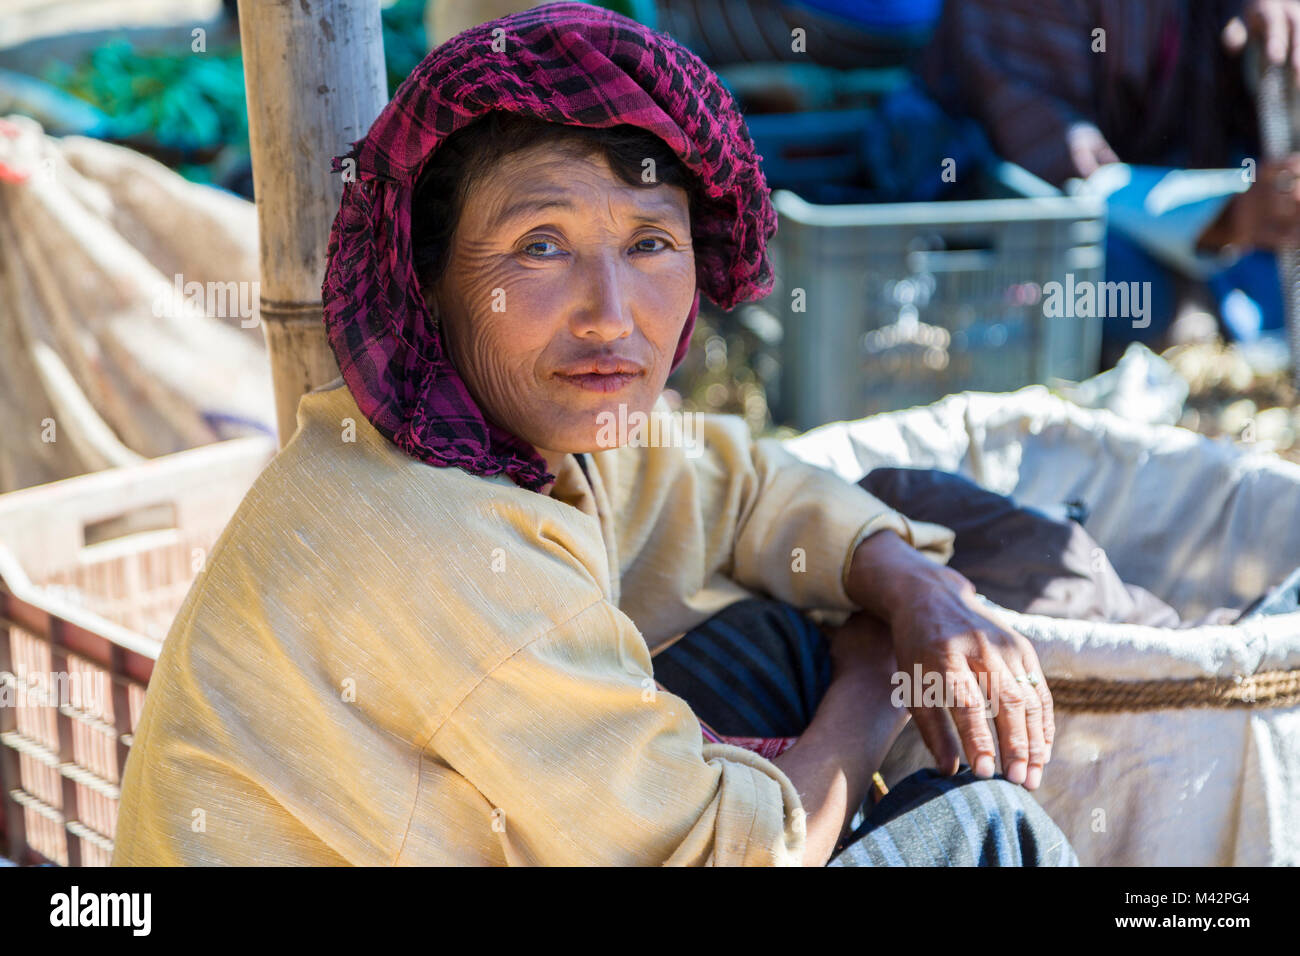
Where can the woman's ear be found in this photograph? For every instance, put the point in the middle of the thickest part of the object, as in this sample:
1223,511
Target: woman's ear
430,295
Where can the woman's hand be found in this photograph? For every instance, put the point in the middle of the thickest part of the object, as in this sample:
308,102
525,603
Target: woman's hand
941,632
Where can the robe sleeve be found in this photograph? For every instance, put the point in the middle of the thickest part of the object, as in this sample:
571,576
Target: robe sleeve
581,760
787,527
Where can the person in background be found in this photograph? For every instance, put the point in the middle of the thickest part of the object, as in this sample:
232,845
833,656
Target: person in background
838,33
843,34
1068,88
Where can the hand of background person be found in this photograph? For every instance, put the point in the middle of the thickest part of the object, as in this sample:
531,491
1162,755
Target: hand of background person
1088,149
1265,216
1275,24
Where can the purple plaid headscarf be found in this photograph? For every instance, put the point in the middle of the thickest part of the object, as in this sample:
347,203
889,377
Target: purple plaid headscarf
568,63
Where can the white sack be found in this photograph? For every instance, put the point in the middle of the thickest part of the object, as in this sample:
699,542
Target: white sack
1200,523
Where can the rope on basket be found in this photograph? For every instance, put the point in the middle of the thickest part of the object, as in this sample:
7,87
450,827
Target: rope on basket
1268,689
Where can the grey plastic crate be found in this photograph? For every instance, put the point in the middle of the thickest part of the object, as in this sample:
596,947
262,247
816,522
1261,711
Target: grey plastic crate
908,302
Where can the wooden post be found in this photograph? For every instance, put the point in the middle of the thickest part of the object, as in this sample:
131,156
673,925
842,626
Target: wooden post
314,74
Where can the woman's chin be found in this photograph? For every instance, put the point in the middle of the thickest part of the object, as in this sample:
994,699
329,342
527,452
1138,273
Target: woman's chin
591,439
590,421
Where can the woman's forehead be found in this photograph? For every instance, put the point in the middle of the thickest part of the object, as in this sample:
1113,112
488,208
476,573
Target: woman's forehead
516,191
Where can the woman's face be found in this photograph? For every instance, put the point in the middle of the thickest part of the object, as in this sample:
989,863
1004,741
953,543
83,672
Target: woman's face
557,268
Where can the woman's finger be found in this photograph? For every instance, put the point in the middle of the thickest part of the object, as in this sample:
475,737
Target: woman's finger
1002,645
937,734
1293,24
1235,35
1010,721
1269,24
969,715
1034,727
1033,668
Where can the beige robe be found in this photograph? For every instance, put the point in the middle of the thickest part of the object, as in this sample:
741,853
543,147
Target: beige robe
385,662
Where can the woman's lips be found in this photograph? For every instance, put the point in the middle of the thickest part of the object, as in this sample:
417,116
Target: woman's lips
596,382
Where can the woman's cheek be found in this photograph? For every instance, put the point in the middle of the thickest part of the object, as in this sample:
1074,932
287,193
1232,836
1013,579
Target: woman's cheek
539,301
665,298
492,287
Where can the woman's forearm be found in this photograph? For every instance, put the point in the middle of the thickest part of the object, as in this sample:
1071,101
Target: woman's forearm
832,763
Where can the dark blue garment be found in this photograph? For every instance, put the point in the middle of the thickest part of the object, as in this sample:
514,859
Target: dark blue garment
909,142
1249,295
757,668
1127,261
881,15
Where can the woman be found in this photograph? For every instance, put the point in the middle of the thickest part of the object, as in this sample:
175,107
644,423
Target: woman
426,635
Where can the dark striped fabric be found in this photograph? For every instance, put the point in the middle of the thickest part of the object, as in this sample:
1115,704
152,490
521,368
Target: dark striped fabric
1164,92
757,668
567,63
725,32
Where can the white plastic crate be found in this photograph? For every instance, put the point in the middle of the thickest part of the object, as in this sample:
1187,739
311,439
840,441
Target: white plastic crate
904,303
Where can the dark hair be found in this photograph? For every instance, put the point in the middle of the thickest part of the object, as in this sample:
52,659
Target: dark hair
466,154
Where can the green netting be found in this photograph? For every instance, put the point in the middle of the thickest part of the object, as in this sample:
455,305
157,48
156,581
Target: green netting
189,106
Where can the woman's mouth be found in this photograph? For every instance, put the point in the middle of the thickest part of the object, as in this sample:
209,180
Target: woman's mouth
596,382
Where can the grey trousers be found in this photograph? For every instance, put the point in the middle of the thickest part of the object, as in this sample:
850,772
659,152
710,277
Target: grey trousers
963,820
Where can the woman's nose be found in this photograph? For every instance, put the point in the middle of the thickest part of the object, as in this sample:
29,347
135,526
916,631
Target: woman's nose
602,298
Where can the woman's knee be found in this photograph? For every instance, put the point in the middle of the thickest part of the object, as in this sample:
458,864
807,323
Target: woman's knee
1016,829
964,820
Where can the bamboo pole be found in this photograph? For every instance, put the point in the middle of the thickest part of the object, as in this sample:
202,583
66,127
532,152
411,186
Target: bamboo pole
314,75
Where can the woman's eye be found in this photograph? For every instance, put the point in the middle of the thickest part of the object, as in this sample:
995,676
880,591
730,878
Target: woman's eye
534,244
638,246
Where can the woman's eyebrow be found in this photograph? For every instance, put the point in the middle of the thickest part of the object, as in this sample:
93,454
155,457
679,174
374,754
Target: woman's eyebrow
528,207
659,217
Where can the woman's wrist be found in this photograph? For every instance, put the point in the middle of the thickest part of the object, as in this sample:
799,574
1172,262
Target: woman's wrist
871,717
888,577
873,689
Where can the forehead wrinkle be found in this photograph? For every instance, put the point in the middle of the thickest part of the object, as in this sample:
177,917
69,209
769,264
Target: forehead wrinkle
557,190
529,205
